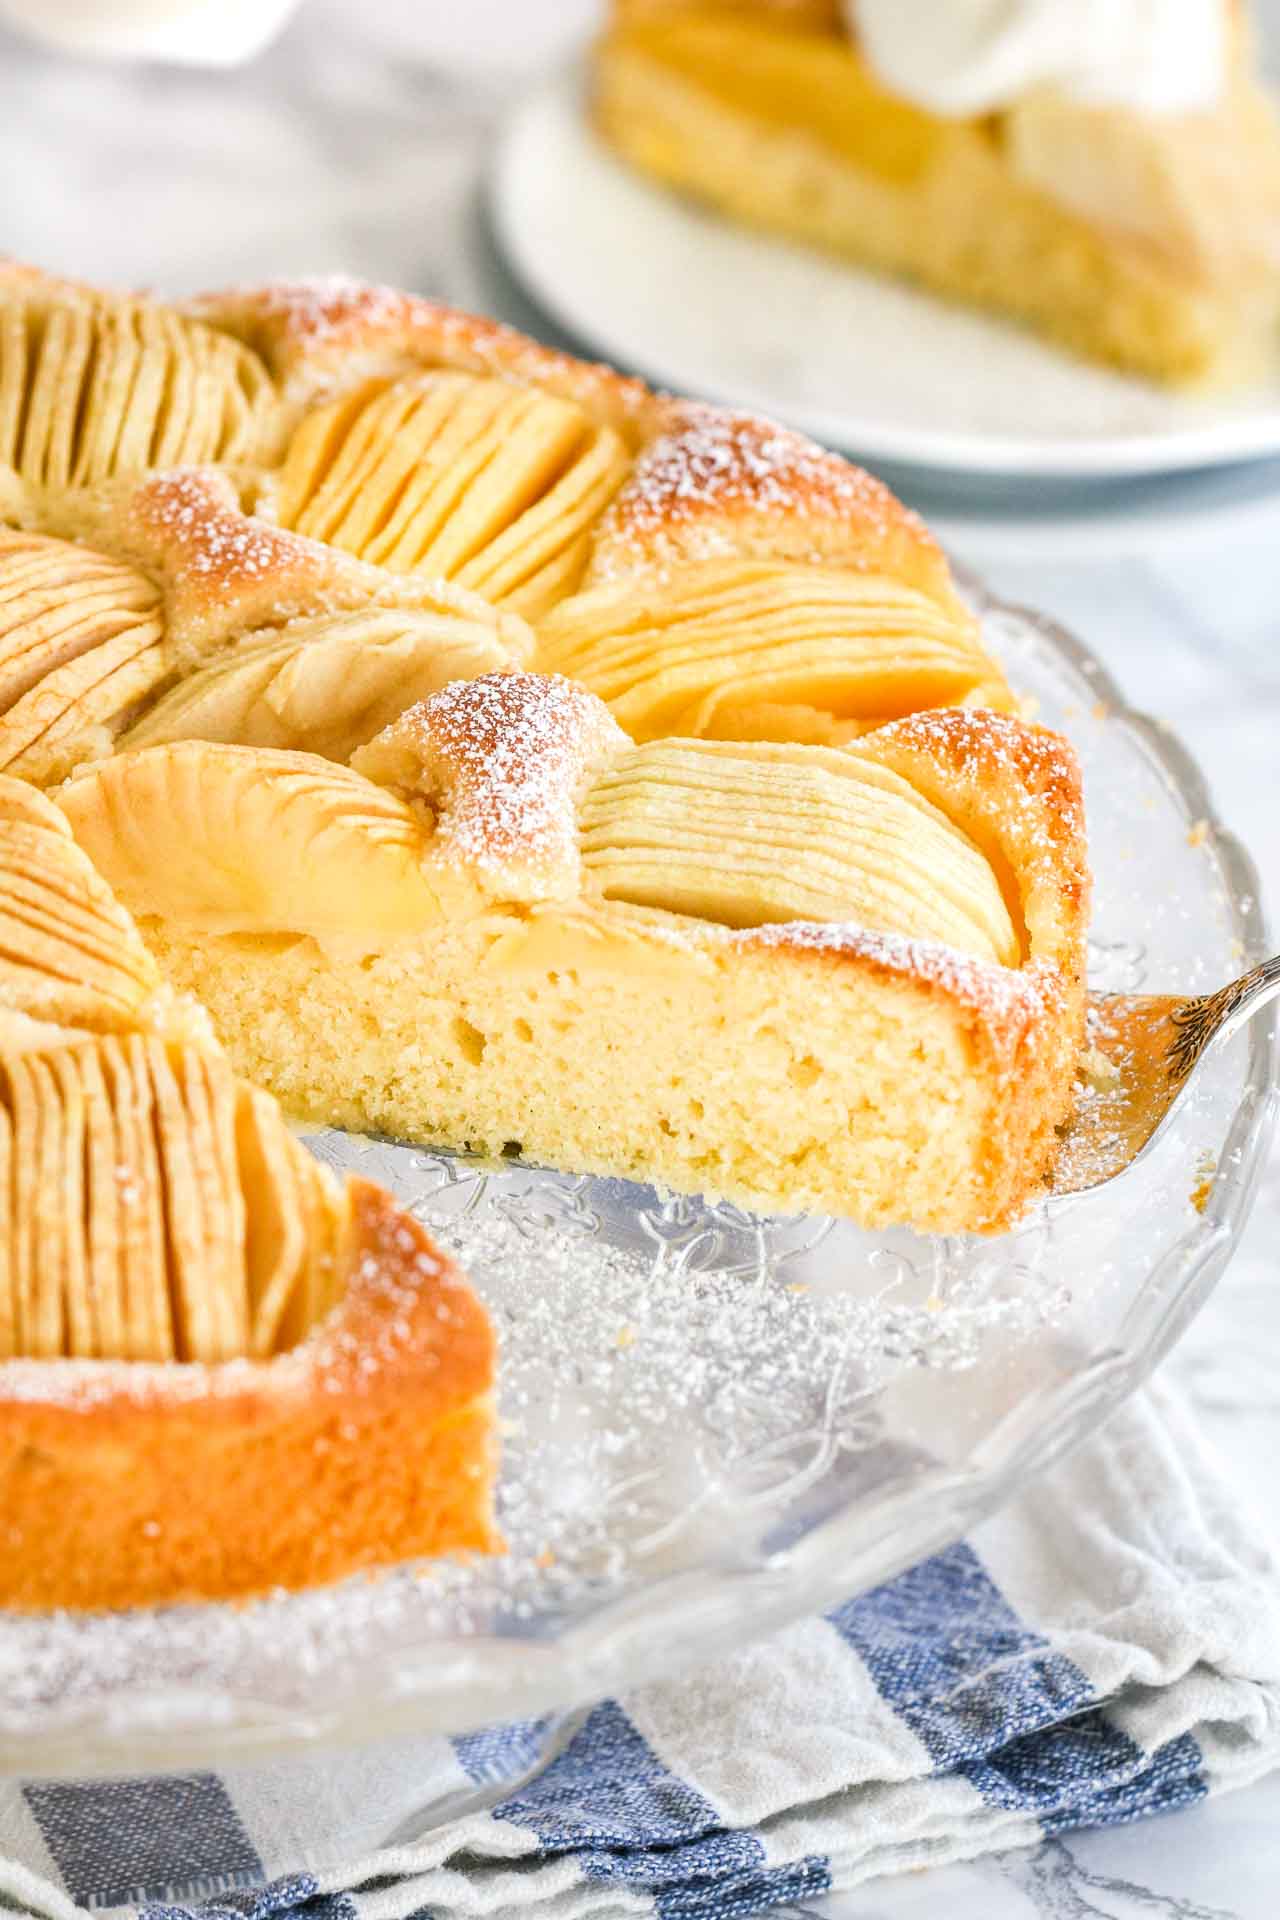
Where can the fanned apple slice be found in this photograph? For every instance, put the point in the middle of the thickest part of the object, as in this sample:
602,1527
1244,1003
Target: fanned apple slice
277,1223
39,1147
108,1194
759,649
495,485
323,685
76,713
93,385
60,601
749,835
81,643
194,1105
322,1284
294,1219
68,952
138,1208
158,1207
230,837
66,1237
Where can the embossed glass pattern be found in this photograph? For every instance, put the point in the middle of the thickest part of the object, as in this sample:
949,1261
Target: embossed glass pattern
714,1423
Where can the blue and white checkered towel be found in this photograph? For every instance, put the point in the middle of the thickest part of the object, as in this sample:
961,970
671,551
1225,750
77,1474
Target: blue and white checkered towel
1109,1647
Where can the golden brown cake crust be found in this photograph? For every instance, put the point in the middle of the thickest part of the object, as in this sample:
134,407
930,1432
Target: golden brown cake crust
715,481
322,335
495,771
125,1484
220,1371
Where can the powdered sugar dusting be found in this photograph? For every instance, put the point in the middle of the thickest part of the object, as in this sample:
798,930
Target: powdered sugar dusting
192,517
1003,995
721,1368
316,307
85,1384
318,316
507,757
686,1411
1022,782
716,467
978,740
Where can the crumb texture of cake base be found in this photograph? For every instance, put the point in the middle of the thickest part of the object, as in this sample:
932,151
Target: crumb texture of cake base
1147,240
221,1372
845,979
505,755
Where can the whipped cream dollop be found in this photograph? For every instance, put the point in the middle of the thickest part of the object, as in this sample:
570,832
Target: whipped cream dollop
975,56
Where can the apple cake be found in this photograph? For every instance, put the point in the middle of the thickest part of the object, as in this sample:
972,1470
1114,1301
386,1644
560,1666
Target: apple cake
220,1370
1109,176
508,757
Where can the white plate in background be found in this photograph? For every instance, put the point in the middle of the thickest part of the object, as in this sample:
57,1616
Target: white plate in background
694,302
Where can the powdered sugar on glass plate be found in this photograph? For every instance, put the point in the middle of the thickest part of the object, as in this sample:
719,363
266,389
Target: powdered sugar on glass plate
713,1423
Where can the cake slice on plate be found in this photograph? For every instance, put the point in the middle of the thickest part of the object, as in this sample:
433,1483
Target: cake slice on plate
1104,171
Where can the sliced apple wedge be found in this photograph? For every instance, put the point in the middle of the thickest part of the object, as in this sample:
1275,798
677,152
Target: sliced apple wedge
494,485
768,650
68,953
159,1208
749,835
229,837
93,385
323,685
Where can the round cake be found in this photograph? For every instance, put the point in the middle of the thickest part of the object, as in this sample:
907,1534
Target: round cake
445,738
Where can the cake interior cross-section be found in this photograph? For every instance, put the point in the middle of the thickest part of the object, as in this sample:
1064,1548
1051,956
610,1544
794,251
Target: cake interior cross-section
509,758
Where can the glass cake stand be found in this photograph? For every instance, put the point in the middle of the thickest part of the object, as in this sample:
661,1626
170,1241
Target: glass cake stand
715,1423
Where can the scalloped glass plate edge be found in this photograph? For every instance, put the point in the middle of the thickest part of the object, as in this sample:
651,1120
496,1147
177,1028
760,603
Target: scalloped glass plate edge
443,1687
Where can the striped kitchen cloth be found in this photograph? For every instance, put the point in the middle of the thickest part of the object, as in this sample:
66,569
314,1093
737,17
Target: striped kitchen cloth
1107,1648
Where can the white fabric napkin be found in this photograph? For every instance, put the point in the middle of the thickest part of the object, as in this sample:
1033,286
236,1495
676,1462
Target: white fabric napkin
1107,1648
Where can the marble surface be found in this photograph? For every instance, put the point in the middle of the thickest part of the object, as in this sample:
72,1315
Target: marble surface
337,151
